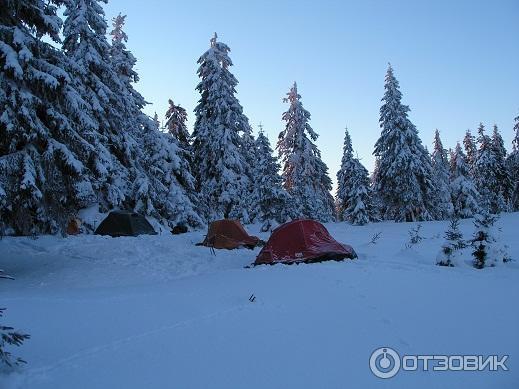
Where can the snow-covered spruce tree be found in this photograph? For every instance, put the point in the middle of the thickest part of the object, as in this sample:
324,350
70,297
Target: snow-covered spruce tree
513,166
441,179
47,140
488,250
176,118
272,200
465,197
145,172
156,121
353,197
377,203
176,126
358,198
485,170
247,210
344,176
221,169
452,154
453,243
404,179
122,60
503,175
100,85
471,150
305,175
483,241
163,186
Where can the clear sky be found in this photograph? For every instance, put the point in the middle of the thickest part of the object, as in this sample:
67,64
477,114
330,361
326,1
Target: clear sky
457,61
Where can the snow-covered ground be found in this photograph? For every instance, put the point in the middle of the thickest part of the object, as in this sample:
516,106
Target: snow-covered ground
160,312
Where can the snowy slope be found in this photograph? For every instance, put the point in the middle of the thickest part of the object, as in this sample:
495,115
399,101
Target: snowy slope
157,311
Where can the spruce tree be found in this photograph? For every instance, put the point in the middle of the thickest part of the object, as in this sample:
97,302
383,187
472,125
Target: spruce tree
486,170
9,337
503,175
123,61
221,169
156,121
452,163
353,197
465,197
272,200
305,176
176,118
453,243
47,137
176,127
358,198
441,179
163,186
344,176
86,46
247,210
404,180
147,172
483,241
513,166
377,201
471,150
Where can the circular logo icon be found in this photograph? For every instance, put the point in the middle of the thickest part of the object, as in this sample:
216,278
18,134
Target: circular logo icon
384,362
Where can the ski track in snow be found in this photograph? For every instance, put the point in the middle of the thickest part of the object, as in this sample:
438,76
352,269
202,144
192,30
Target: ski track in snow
92,351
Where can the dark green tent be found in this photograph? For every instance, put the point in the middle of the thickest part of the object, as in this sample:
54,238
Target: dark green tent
124,223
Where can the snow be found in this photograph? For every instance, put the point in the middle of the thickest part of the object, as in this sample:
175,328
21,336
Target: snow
158,311
11,60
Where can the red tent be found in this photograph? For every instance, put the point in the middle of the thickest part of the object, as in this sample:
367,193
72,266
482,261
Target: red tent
302,241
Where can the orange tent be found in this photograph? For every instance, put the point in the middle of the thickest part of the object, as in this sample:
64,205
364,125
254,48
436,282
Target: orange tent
228,234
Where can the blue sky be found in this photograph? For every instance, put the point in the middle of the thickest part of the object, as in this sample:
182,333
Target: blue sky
457,61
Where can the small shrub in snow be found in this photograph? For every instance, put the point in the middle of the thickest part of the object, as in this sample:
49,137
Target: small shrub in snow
414,236
506,255
453,243
454,235
483,253
9,337
445,258
375,237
